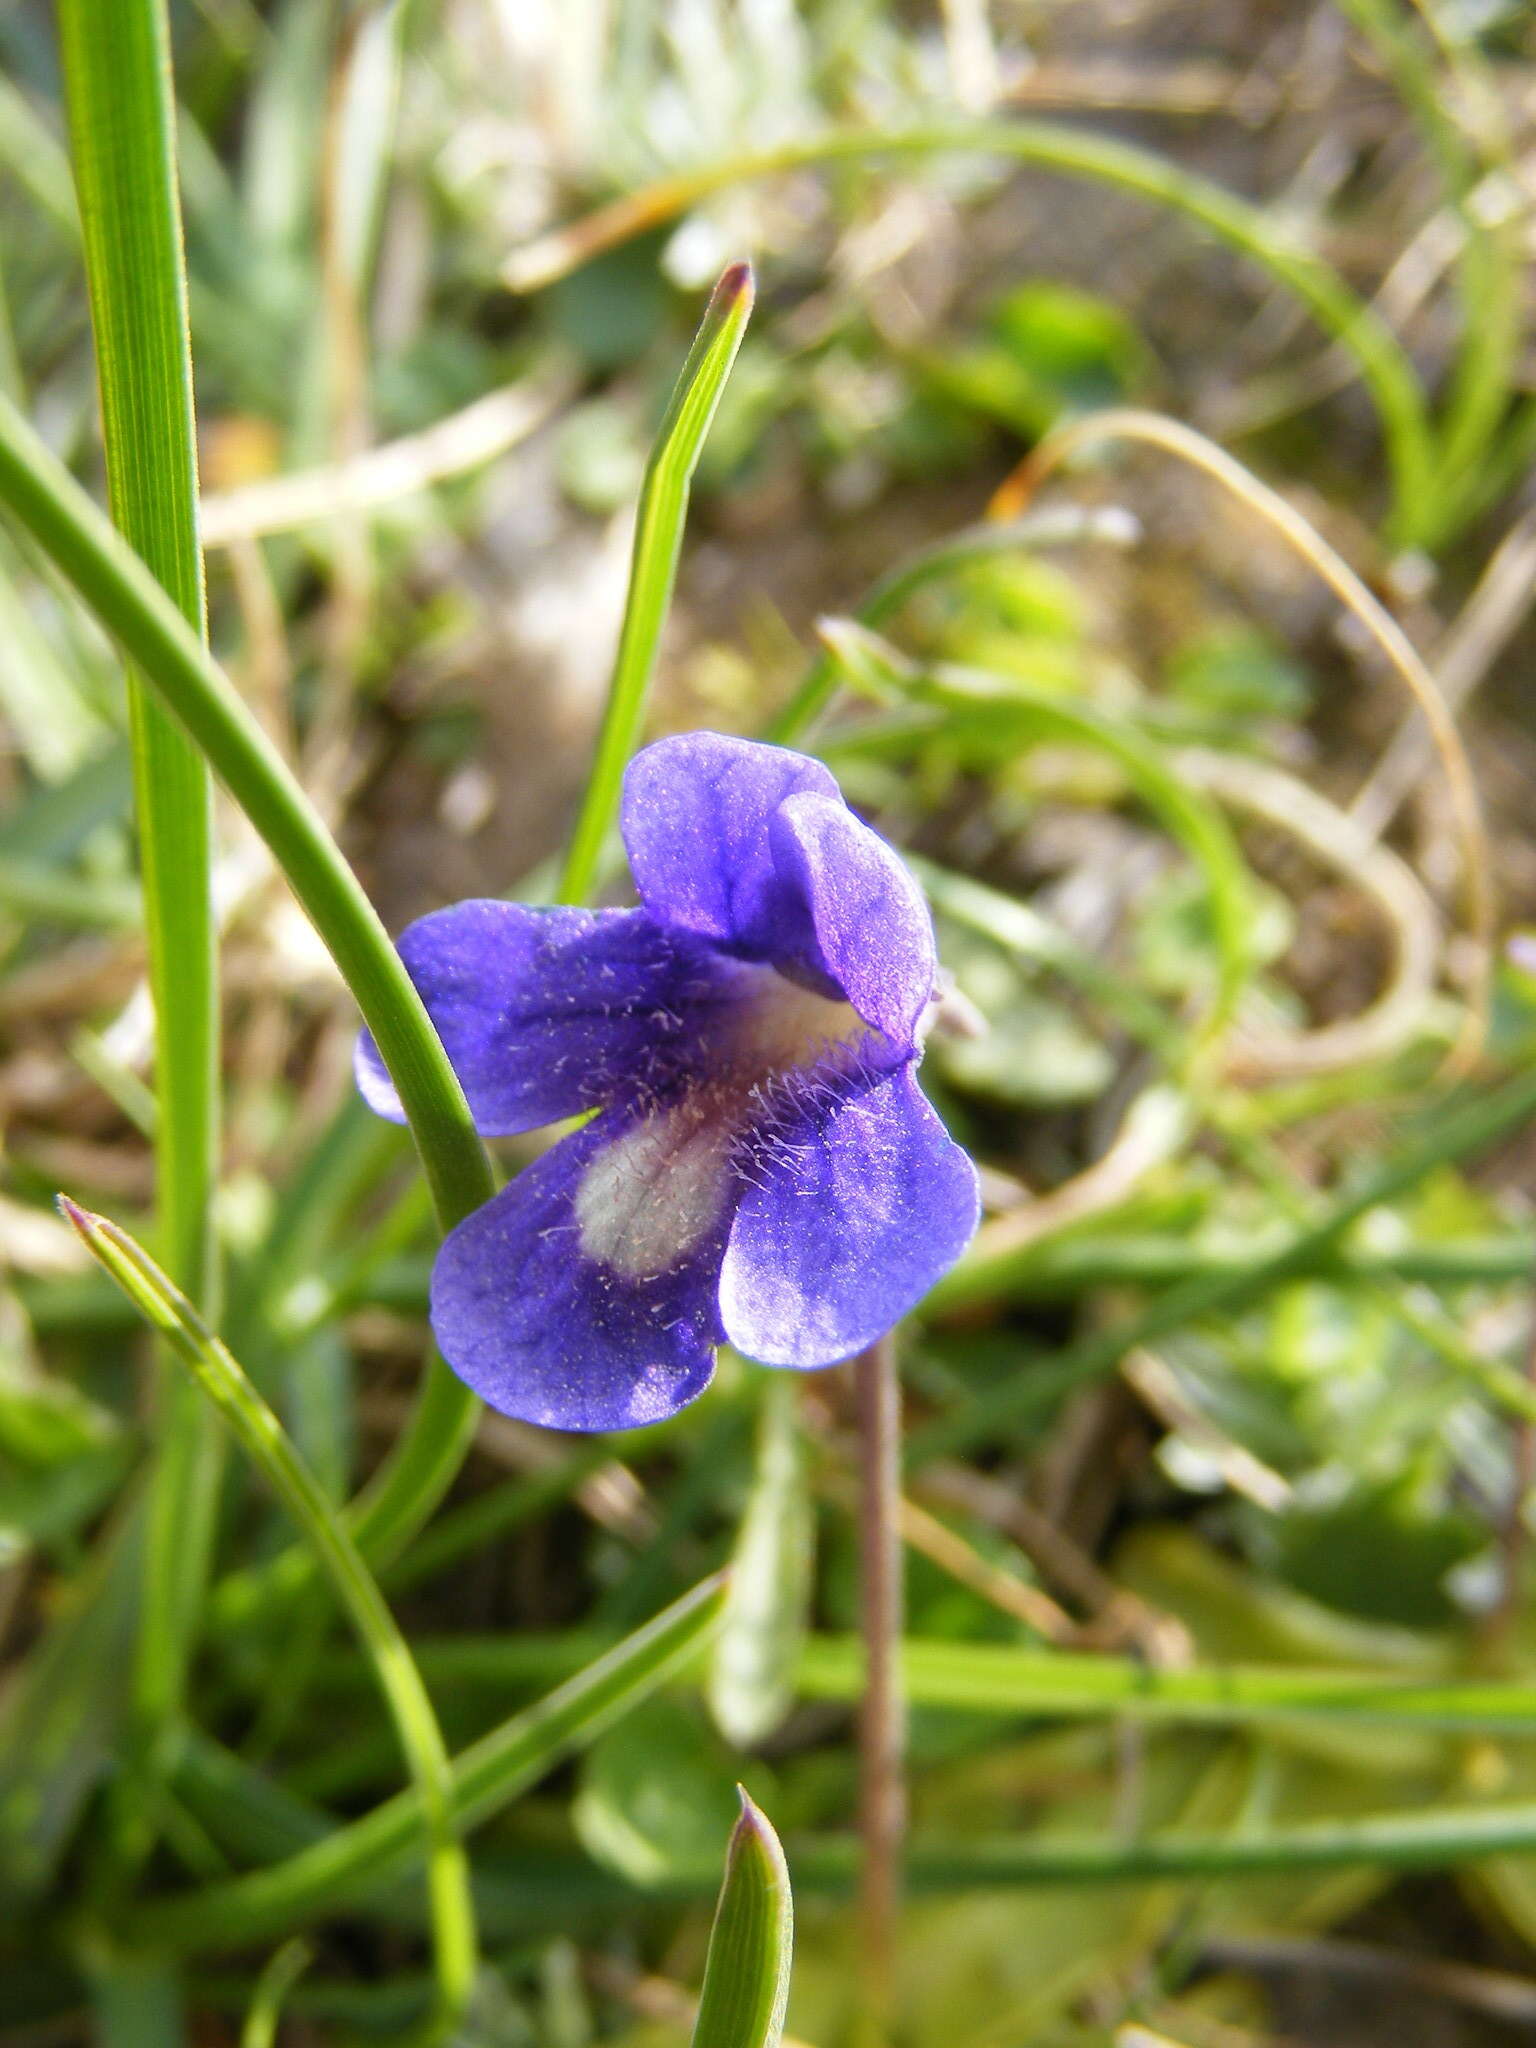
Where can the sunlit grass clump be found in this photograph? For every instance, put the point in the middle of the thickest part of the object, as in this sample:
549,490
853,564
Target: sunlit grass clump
981,1326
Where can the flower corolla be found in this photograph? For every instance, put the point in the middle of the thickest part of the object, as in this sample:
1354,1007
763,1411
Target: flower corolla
762,1167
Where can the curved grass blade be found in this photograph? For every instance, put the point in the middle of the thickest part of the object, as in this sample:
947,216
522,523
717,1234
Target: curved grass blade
1055,526
1156,430
225,1385
653,565
1385,367
117,78
746,1975
276,1981
368,1853
46,500
134,609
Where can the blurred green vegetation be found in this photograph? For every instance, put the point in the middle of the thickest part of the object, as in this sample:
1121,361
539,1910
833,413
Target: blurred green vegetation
1220,1442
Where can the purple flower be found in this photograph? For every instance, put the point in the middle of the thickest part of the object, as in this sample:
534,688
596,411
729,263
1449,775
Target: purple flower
763,1167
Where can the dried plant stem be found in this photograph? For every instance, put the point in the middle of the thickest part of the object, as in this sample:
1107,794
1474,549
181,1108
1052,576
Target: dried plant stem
882,1715
382,475
1130,423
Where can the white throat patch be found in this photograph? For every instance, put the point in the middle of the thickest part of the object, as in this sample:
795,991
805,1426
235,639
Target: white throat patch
647,1199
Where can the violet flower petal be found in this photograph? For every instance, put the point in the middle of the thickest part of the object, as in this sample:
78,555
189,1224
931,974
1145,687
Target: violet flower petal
547,1333
870,933
547,1013
854,1204
696,814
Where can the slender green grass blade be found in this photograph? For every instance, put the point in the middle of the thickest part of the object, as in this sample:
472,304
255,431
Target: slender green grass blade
251,1817
653,565
228,1389
1007,1678
1436,1837
1490,263
370,1852
998,1678
1433,1839
117,77
47,501
746,1975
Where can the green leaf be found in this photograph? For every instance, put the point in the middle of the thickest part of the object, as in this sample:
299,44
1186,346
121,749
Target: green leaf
746,1976
61,1455
655,1793
1230,675
1383,1551
1050,349
997,1678
653,567
31,152
55,823
752,1673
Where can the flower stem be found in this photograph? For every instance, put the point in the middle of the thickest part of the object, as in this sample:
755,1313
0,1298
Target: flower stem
48,503
882,1715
